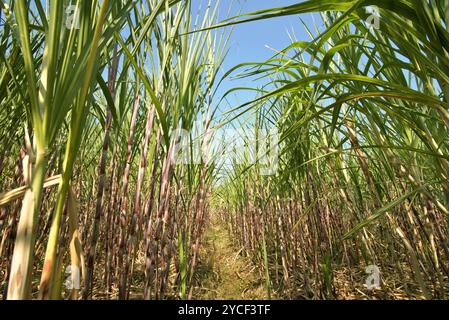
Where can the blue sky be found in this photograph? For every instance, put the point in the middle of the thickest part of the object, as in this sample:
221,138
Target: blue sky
249,41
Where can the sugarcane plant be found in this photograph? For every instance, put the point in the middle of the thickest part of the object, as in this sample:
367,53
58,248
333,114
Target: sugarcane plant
112,165
115,79
362,181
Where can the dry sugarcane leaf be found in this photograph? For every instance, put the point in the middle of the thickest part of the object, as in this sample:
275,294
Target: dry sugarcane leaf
9,196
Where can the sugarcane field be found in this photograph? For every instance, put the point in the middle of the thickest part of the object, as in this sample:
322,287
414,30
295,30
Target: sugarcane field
224,150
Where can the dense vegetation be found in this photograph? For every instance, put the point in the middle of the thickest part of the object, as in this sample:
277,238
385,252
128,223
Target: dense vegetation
88,122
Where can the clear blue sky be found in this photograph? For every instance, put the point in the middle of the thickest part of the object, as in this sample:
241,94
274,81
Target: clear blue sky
249,41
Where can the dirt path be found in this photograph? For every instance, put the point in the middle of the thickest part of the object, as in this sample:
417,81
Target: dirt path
224,274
